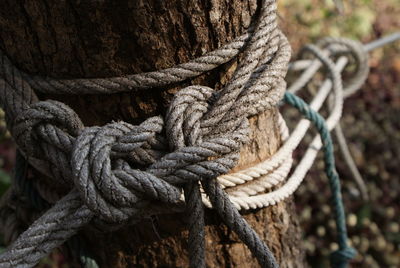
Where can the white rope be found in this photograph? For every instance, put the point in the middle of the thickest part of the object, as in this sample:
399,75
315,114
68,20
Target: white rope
286,150
247,184
247,187
257,171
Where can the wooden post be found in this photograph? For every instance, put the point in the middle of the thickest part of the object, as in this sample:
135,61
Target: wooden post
105,38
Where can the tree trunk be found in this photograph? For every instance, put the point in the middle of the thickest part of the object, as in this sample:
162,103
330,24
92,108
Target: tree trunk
73,39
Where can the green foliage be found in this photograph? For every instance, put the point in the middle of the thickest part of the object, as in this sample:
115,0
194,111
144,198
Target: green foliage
323,19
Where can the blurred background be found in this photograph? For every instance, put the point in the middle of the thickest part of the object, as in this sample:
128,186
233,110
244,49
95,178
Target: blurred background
371,124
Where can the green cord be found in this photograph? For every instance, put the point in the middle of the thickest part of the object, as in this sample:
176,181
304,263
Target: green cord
341,257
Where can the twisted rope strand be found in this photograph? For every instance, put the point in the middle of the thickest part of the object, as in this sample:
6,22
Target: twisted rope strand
231,217
49,231
175,74
341,140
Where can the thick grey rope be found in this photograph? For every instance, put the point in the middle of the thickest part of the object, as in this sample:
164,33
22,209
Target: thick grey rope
51,230
11,215
232,218
147,80
97,159
140,81
183,129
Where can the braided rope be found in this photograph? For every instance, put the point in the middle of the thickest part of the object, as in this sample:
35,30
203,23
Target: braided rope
23,188
280,121
178,73
341,257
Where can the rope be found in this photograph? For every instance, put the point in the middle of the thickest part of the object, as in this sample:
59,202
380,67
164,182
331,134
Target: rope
341,257
283,155
204,144
178,73
204,129
341,140
24,188
262,169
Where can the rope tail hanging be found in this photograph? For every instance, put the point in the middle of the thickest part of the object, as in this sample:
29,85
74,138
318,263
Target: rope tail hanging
204,131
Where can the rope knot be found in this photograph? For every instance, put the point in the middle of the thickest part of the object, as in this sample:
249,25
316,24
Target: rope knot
356,53
108,185
184,116
341,257
52,121
200,152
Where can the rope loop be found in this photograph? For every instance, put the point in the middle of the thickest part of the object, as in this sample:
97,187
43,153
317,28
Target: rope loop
119,170
184,116
323,57
140,144
354,50
48,119
115,171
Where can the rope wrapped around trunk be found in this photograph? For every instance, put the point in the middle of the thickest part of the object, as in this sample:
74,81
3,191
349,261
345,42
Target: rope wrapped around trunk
190,150
206,131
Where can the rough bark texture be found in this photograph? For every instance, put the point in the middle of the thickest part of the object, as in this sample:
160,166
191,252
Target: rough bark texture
107,38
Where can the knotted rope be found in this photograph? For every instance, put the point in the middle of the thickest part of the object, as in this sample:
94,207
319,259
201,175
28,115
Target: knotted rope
99,160
205,130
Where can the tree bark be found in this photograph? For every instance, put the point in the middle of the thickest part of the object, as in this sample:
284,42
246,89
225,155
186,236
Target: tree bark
72,39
